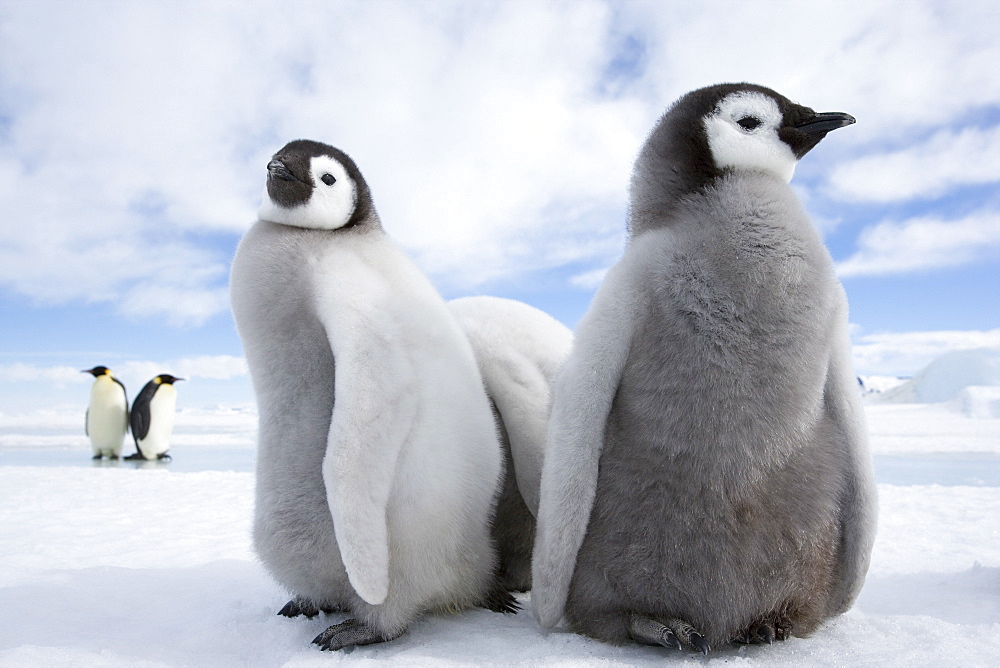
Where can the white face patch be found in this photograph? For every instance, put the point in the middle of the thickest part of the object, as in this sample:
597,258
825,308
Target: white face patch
330,206
743,134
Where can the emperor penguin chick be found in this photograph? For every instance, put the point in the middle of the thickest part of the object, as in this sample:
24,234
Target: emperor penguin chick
152,418
378,462
707,476
106,421
519,350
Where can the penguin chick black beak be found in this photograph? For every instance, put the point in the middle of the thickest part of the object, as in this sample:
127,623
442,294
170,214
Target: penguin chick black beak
824,122
277,170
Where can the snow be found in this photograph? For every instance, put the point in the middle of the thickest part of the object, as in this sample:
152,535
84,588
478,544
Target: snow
129,565
948,376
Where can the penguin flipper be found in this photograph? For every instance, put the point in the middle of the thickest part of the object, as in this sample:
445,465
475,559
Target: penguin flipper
139,416
125,398
859,502
582,398
372,414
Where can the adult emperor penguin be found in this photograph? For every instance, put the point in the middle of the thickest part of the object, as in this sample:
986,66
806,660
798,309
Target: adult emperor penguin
152,418
519,350
378,461
107,415
707,476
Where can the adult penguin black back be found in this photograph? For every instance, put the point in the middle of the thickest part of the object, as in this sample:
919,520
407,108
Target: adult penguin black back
152,418
707,476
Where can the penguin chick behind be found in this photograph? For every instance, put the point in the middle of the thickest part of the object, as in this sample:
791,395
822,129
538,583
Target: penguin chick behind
519,350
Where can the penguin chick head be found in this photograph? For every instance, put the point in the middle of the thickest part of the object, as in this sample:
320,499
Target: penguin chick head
97,371
756,128
166,379
317,186
717,130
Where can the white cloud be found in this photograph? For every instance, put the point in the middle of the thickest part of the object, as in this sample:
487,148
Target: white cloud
928,170
489,132
896,68
212,367
922,244
208,367
60,376
905,353
589,279
210,380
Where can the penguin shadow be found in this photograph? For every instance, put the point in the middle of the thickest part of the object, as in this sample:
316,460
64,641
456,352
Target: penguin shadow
149,463
105,463
966,597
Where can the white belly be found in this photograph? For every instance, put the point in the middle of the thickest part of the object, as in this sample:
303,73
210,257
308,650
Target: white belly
161,422
107,417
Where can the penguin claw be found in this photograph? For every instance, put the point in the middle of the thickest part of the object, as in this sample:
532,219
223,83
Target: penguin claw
348,634
688,635
669,639
699,643
501,600
765,632
299,606
303,606
650,631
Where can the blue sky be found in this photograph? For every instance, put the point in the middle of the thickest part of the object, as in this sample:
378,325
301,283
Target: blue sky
497,139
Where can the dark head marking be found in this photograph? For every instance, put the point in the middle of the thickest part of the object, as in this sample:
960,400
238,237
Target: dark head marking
676,161
290,182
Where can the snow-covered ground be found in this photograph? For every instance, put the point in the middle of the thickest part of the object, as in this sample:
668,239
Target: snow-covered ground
123,565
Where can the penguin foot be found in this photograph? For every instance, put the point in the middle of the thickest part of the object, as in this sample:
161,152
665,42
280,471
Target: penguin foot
675,633
765,632
133,456
164,456
500,600
348,634
97,457
301,606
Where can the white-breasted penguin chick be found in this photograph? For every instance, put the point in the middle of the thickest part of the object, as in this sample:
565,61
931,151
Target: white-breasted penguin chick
519,350
106,420
378,461
152,418
707,476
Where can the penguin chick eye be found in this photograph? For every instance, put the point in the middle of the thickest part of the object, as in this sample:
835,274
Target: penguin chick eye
749,123
328,179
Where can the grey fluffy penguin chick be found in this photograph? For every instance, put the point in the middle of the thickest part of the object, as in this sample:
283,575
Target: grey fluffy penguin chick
707,477
378,461
519,350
